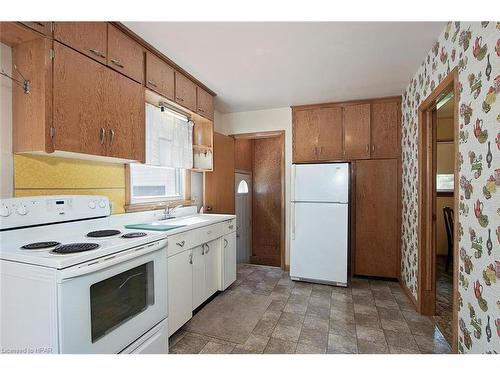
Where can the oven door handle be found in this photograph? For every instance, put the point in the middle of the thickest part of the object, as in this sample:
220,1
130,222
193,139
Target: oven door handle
110,260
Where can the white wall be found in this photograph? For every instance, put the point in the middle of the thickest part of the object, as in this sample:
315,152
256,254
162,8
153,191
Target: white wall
6,164
263,121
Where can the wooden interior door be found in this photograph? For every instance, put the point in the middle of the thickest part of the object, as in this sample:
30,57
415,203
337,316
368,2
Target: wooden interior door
376,246
357,131
330,133
90,38
305,135
385,140
79,104
219,184
267,209
125,123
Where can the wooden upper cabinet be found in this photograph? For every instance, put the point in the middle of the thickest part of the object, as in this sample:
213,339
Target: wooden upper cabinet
100,115
160,76
385,140
89,38
357,131
79,116
305,135
125,119
204,103
125,55
330,133
43,27
377,229
185,91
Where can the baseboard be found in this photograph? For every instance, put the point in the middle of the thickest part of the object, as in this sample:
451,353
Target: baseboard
410,296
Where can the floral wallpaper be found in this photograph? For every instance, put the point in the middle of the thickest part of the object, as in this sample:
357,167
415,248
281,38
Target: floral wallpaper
475,49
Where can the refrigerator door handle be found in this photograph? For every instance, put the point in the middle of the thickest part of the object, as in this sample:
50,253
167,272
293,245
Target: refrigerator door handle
293,221
294,178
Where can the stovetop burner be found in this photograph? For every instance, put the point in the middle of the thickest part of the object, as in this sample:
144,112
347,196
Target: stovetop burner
134,235
40,245
75,248
103,233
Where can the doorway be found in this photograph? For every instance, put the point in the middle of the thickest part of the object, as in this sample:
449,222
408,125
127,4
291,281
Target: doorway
438,207
259,166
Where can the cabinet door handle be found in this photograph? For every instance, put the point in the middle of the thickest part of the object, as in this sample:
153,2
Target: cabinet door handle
373,148
320,150
201,110
111,136
152,83
179,99
367,148
208,249
102,135
231,226
97,52
225,243
181,244
191,258
117,63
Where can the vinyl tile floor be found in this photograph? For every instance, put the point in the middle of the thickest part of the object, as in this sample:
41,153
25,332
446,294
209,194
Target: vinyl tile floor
370,316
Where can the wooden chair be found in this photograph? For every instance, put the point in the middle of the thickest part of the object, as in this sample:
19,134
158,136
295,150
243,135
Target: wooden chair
448,223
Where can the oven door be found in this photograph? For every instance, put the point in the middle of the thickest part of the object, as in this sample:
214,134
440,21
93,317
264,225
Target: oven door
106,305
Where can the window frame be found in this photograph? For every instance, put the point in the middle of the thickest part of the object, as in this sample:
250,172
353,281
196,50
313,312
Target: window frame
134,205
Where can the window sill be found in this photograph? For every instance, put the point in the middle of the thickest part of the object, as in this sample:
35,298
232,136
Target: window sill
148,206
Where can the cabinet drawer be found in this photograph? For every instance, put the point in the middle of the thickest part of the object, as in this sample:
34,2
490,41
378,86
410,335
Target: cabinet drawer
125,55
228,226
192,238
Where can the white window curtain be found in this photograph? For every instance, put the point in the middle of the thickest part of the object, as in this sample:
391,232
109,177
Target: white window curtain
169,140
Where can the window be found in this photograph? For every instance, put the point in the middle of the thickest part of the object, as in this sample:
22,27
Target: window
153,184
243,187
445,182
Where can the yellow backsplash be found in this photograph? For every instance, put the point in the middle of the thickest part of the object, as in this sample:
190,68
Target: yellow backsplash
45,175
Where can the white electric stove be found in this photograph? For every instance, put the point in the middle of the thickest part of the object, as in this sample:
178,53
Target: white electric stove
74,280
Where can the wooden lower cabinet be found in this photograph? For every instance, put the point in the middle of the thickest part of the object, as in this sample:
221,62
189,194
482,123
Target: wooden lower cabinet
377,229
180,290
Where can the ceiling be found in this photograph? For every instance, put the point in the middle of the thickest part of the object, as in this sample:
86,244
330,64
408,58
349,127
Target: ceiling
260,65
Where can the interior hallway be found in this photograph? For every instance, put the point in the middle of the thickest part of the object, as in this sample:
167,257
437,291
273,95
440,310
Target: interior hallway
274,314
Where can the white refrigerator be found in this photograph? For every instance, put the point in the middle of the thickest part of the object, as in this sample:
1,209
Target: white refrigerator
320,223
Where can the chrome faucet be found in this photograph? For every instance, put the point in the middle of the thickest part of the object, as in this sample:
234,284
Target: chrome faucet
170,211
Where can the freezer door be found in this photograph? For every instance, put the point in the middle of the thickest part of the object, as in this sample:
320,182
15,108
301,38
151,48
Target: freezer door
321,182
319,242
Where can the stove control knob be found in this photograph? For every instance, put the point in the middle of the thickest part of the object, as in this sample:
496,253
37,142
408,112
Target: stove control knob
22,209
102,203
4,210
92,205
